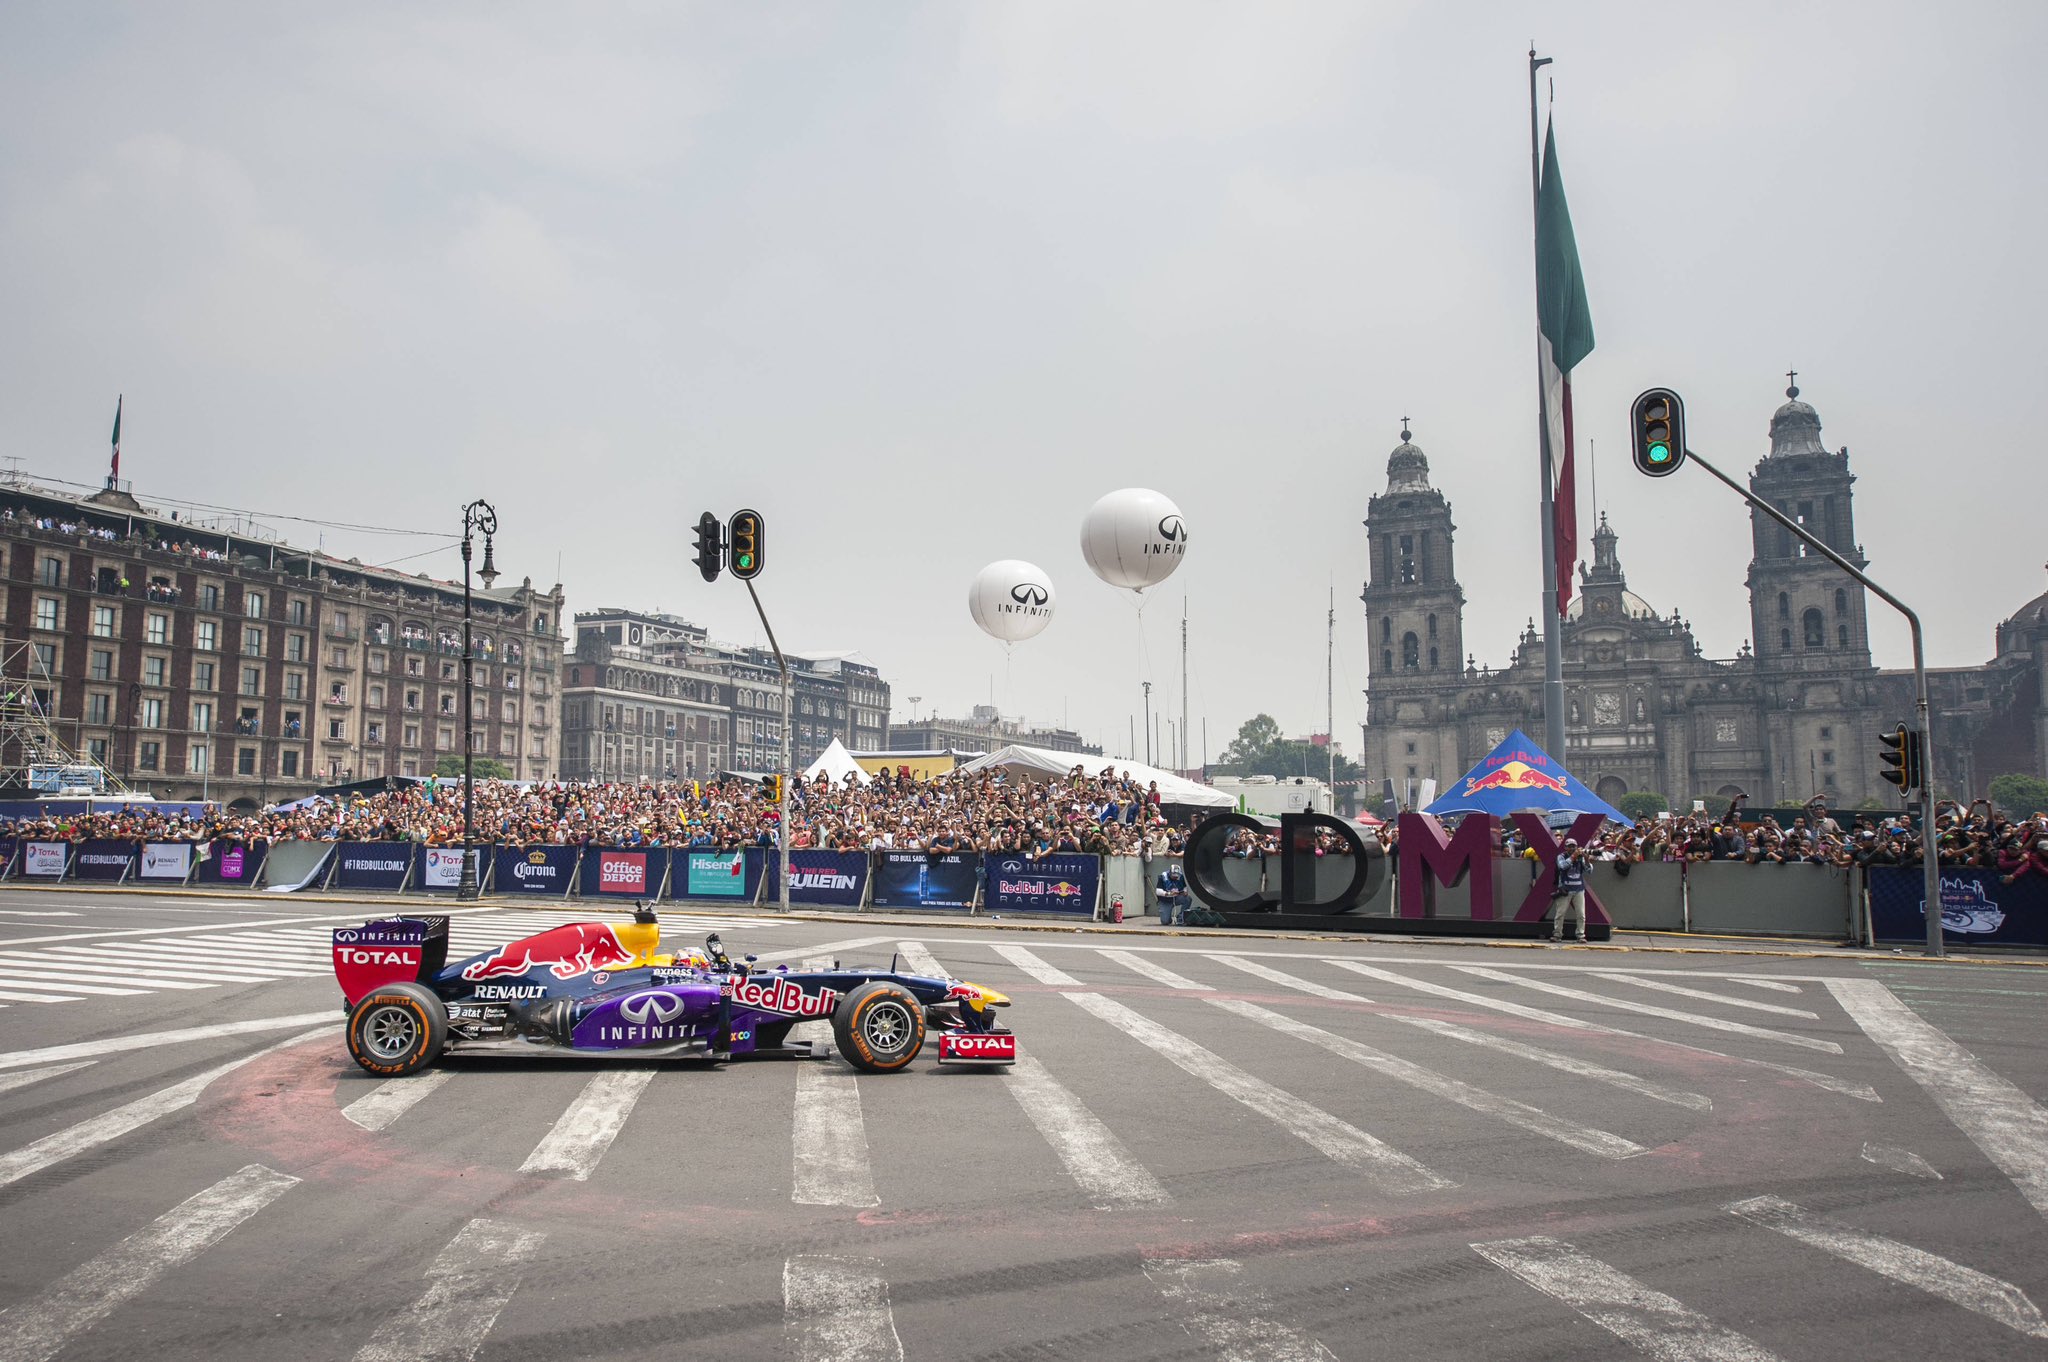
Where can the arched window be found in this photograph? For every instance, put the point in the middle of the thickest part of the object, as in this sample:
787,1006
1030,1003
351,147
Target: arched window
1411,652
1386,659
1785,639
1842,635
1386,628
1432,626
1816,629
1432,659
1784,606
1841,602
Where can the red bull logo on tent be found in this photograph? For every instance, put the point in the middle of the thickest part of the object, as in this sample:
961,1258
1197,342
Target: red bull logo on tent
1515,775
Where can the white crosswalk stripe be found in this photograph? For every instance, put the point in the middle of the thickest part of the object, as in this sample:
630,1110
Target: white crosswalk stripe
1666,986
588,1126
24,1077
1235,1324
472,1280
1093,1155
1649,1010
836,1309
919,960
391,1098
1900,1161
1154,971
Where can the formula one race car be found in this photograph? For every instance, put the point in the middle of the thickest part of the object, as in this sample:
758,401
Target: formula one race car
600,989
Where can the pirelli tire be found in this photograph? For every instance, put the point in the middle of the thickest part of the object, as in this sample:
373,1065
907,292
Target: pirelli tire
879,1027
397,1029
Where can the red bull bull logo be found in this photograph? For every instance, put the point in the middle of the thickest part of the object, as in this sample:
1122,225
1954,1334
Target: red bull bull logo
576,949
1515,775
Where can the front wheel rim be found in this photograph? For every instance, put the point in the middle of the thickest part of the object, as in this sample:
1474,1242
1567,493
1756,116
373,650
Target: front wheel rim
391,1032
889,1027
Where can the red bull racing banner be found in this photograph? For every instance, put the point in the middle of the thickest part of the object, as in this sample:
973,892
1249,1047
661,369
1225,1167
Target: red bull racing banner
1977,907
624,872
1516,776
533,870
1050,884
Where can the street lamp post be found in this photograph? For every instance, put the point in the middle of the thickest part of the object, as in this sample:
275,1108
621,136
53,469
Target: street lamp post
479,517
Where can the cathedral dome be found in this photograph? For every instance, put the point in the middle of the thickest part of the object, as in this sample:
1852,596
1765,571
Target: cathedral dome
1795,427
1407,466
1632,607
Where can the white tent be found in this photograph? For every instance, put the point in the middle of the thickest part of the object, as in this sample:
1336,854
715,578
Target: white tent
836,763
1043,764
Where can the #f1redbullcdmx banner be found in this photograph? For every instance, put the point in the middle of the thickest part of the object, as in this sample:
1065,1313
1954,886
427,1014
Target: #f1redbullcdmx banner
1050,884
1976,909
917,879
103,859
372,865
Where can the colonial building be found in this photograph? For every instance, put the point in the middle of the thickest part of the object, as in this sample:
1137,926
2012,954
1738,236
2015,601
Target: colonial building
194,660
983,730
1790,716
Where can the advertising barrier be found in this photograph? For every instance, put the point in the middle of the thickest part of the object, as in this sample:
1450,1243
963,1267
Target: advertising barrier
837,879
623,872
101,858
236,866
165,861
1649,898
45,860
372,865
8,848
533,870
1050,884
918,879
438,870
1976,908
1785,900
726,876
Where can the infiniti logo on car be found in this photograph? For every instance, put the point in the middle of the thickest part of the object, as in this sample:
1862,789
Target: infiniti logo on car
651,1007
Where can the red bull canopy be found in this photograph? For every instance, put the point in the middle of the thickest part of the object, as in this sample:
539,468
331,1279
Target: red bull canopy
1520,775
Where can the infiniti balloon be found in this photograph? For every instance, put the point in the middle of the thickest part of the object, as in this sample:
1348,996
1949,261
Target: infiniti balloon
1011,600
1134,538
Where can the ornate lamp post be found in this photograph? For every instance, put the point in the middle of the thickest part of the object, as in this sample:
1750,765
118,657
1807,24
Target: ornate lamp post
479,517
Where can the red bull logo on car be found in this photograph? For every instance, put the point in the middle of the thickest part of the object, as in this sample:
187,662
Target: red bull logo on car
1515,775
780,995
567,952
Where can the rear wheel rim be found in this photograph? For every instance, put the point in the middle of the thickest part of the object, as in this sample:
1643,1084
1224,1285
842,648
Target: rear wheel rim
888,1028
390,1032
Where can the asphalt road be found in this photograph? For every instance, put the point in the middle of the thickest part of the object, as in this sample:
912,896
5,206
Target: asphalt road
1218,1146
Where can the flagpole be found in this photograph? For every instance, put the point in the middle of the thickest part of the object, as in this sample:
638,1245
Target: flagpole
1553,643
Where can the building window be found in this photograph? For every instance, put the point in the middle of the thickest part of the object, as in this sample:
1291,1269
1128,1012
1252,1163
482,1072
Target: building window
1842,635
412,699
340,657
209,597
295,647
206,637
197,758
1826,732
334,730
1816,629
1432,628
412,735
1785,639
374,732
103,621
1841,601
1784,606
1386,659
152,714
377,697
154,670
46,613
53,572
1411,652
252,642
46,658
1827,758
252,604
150,755
156,629
445,736
252,680
202,676
294,685
245,761
202,715
288,763
96,708
101,667
296,613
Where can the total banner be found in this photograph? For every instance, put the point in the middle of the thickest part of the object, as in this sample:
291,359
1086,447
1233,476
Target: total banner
837,878
918,879
233,864
166,861
1050,884
1976,908
731,875
372,865
45,860
622,872
438,870
103,859
533,870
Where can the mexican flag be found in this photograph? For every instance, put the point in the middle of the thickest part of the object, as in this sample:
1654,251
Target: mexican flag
115,476
1566,337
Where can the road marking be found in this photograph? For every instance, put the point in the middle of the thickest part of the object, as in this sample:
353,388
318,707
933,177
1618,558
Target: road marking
1035,966
12,996
828,949
1340,1140
1776,985
392,1098
1236,1324
829,1141
2009,1126
1285,980
1648,1010
1900,1161
115,1044
1663,986
1861,1091
1650,1320
112,1125
473,1278
40,1327
1157,973
1975,1291
94,990
37,912
88,968
836,1309
1094,1157
922,961
590,1123
1533,1119
9,1082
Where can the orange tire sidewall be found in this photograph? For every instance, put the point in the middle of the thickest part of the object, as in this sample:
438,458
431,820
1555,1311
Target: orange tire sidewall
371,1062
859,1034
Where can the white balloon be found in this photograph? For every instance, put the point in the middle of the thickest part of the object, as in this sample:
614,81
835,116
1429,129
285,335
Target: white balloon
1134,538
1011,600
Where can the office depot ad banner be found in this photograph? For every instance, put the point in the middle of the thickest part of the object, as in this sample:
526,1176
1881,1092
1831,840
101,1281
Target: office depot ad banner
1050,884
438,870
621,872
233,864
533,870
165,861
372,865
734,876
45,860
917,879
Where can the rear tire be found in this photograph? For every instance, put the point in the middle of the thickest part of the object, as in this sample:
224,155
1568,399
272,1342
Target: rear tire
397,1029
879,1027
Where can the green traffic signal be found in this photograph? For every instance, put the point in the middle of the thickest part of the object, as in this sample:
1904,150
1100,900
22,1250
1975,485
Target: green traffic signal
1657,432
1660,453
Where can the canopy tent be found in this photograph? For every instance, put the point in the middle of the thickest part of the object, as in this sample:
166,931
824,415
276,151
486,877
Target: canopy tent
835,763
1044,764
1519,775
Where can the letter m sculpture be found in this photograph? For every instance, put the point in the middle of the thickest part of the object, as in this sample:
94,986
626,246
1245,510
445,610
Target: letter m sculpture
1428,858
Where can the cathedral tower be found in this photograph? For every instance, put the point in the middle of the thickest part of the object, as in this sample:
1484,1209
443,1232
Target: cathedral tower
1807,615
1414,608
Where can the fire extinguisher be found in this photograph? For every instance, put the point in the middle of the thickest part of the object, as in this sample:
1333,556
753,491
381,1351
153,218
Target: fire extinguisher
1116,907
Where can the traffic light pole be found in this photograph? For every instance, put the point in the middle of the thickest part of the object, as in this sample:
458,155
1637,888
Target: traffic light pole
782,786
1930,850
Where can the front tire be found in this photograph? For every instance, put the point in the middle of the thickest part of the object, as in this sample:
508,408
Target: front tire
397,1029
879,1027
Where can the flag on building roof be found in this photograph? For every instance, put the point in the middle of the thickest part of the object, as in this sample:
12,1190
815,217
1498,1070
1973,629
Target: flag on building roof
114,478
1566,338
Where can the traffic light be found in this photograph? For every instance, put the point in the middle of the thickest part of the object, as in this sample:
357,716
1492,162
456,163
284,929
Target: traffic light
708,546
771,789
1900,755
1657,432
743,533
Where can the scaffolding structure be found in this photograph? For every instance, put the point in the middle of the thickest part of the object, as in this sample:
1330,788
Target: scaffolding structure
32,757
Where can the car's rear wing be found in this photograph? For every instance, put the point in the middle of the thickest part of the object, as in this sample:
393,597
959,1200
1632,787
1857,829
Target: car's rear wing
388,951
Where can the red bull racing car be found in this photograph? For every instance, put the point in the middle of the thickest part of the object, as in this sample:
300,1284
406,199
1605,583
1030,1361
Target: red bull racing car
604,989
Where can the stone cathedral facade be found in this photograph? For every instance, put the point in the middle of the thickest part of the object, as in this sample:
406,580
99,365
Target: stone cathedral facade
1793,714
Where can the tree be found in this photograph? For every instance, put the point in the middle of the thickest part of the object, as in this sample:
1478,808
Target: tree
2020,795
1253,744
1259,750
487,768
1641,804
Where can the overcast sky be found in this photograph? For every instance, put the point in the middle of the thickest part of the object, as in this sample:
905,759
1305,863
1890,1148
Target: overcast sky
920,282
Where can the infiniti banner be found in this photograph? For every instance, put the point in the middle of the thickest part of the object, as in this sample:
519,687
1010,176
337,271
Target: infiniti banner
917,879
1976,909
534,870
1050,884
